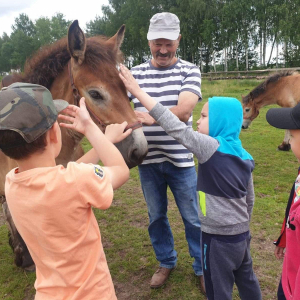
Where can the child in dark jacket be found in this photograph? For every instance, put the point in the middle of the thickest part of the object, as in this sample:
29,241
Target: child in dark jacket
225,188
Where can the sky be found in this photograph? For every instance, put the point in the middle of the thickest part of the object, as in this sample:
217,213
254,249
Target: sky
83,11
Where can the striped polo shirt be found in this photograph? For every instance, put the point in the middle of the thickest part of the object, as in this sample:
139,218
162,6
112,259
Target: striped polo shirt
164,85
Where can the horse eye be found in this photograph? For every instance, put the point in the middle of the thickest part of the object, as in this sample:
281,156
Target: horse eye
96,95
247,109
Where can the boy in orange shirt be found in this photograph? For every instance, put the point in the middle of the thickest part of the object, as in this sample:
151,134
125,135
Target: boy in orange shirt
52,205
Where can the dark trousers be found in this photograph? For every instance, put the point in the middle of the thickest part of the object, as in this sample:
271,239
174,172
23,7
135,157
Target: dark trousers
280,293
227,260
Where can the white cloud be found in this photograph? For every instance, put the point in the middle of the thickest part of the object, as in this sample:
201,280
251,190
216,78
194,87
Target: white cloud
8,7
83,11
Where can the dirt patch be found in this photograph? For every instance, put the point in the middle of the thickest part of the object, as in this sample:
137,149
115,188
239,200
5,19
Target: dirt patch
133,288
107,244
28,294
141,222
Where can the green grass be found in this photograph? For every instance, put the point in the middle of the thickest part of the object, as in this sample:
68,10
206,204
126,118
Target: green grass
124,226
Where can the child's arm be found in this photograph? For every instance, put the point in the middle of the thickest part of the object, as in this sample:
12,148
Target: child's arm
114,133
112,159
203,146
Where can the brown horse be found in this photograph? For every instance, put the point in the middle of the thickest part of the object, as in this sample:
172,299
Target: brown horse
280,88
72,67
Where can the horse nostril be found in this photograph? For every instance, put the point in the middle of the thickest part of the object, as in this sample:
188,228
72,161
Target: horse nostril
134,157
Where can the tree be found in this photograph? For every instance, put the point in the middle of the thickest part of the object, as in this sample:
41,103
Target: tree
6,50
59,26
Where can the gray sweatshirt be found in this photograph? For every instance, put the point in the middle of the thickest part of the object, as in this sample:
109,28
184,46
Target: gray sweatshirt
225,183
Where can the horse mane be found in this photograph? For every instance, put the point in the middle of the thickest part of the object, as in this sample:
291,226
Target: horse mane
263,86
48,62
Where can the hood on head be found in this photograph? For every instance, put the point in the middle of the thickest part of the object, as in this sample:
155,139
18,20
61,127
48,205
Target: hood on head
225,117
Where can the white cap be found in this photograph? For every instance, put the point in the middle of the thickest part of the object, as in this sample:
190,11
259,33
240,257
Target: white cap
164,26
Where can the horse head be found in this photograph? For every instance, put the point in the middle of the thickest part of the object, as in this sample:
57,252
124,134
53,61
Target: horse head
250,110
93,74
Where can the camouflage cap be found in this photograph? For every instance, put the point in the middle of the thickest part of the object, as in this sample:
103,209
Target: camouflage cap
28,109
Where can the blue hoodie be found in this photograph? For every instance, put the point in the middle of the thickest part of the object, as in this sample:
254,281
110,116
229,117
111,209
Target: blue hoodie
225,168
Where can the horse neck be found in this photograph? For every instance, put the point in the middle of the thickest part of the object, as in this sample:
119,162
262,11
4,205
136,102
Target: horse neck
267,98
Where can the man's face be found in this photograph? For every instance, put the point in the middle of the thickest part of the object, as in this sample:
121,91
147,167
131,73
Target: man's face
163,52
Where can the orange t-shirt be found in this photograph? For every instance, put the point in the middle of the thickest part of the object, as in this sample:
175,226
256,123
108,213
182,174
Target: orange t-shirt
52,210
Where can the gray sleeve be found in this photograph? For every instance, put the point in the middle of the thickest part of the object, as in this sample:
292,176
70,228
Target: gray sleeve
250,197
202,145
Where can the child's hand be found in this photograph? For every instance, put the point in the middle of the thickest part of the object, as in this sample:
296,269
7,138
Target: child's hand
115,132
78,117
279,252
144,117
130,83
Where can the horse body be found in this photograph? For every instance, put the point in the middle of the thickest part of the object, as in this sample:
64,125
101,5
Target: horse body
90,64
281,89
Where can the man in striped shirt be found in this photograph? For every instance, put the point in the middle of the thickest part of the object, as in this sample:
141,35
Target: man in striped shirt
176,84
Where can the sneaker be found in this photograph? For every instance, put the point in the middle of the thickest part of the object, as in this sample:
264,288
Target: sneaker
160,277
202,285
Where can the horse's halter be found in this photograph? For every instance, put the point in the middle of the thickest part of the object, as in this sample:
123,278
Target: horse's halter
77,97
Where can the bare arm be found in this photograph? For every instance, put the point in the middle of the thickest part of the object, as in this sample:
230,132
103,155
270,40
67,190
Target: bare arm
186,103
112,159
114,133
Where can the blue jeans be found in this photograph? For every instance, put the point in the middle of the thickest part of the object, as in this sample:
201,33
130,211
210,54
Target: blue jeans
155,178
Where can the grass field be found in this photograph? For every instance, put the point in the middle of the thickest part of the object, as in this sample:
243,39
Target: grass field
124,226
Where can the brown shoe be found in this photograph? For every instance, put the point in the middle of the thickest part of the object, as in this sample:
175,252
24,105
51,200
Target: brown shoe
202,285
160,277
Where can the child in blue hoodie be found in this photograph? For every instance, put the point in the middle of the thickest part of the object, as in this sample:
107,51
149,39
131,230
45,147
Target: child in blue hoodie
225,188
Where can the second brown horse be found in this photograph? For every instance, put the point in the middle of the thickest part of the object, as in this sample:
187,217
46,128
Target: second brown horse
282,89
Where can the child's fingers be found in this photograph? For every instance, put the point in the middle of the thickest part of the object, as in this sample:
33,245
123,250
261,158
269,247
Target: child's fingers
66,118
125,72
66,125
122,78
70,107
82,101
123,125
127,133
70,111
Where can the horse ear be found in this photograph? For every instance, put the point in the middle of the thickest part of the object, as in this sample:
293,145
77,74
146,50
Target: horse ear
116,41
76,42
251,96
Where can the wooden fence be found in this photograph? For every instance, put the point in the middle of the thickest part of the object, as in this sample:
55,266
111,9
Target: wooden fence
254,74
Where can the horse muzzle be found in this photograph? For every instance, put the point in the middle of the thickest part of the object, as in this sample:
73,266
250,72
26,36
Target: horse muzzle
134,148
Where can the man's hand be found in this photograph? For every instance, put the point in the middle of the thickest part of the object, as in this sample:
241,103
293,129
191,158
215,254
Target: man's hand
144,117
279,252
78,117
115,132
